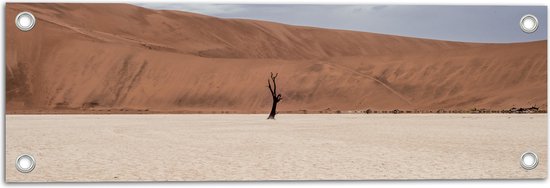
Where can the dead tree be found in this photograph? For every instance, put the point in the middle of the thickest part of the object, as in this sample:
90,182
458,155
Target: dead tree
276,97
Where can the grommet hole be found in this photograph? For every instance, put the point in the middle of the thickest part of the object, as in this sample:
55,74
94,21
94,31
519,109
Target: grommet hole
529,23
529,160
25,21
25,163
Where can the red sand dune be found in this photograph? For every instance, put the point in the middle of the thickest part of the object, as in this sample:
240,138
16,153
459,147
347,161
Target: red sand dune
90,58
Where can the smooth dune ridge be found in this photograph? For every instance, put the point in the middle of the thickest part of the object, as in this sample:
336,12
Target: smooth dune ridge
115,58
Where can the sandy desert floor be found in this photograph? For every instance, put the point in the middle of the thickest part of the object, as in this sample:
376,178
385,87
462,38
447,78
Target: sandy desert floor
293,147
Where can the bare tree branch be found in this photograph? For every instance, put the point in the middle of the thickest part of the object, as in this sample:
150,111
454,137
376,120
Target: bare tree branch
269,86
274,83
274,87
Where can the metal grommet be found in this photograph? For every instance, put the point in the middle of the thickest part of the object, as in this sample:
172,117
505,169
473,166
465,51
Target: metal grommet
529,23
529,160
25,21
25,163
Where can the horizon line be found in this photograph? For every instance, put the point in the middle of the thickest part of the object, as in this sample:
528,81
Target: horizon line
542,24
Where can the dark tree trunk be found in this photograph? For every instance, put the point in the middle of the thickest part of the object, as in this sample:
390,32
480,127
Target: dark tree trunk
273,111
276,97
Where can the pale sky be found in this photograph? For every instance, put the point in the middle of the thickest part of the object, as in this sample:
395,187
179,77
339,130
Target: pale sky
495,24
